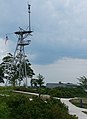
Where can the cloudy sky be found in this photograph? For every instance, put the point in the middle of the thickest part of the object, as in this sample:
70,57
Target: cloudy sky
58,48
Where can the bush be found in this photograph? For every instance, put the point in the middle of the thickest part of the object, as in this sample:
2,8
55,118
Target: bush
57,92
20,107
67,92
4,111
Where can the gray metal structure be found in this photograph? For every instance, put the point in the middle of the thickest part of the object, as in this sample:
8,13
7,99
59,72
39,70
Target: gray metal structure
19,58
19,54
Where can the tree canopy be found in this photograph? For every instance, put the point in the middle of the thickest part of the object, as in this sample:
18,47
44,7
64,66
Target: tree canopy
83,81
39,81
10,70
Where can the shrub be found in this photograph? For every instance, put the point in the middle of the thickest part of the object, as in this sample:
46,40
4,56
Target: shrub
20,107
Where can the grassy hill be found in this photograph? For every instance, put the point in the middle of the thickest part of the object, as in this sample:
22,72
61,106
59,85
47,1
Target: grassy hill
19,106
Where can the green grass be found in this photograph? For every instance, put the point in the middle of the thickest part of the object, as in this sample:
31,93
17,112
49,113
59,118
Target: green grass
78,103
15,102
4,112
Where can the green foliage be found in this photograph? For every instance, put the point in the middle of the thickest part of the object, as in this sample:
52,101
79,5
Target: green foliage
4,111
80,102
57,92
83,81
10,70
20,107
40,79
67,92
37,82
33,82
30,72
17,106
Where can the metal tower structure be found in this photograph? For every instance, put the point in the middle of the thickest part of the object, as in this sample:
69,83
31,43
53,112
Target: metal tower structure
19,54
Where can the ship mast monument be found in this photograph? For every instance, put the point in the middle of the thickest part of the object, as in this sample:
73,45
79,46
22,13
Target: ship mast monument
19,54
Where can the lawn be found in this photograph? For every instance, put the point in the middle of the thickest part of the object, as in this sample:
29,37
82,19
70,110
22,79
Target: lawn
80,102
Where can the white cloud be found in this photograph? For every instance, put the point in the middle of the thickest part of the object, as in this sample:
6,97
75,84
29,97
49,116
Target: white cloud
5,47
64,70
60,30
31,57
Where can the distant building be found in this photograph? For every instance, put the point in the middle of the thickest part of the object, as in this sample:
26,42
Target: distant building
54,85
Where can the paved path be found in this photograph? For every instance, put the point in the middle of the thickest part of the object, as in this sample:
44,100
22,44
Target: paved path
25,92
75,110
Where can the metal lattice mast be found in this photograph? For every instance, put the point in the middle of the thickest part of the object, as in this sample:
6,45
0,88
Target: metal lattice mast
19,54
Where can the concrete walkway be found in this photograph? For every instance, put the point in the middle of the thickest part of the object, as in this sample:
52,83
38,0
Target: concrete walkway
73,110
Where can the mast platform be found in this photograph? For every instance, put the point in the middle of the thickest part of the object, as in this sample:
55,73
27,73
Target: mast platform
22,32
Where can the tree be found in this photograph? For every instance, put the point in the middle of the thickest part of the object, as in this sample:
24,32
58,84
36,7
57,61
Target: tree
1,75
1,80
10,70
33,82
37,81
83,81
40,81
30,71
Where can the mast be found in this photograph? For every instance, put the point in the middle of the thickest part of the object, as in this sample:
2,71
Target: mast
29,16
19,54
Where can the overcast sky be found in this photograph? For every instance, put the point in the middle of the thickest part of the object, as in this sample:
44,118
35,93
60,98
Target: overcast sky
58,48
